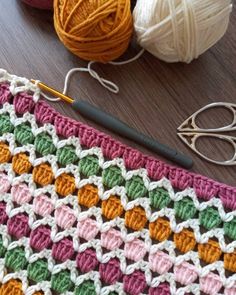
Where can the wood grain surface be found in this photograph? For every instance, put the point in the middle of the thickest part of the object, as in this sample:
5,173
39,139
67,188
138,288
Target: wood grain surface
155,97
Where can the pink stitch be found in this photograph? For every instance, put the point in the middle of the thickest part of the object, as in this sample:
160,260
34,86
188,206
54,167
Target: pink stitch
185,273
63,250
133,159
162,289
204,187
65,217
66,126
21,193
111,148
210,284
228,197
44,113
135,250
111,239
110,272
3,214
87,229
230,291
160,262
87,261
4,183
42,205
156,169
18,225
180,178
135,283
40,238
23,103
88,136
5,93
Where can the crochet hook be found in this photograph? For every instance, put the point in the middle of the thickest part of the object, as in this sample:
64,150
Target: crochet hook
114,124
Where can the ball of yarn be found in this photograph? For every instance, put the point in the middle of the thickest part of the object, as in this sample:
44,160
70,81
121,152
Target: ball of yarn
180,30
94,30
41,4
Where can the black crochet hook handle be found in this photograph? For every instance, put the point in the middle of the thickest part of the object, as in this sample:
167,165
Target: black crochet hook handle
106,120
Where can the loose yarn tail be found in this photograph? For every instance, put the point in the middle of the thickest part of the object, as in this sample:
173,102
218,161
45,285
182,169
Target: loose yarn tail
108,84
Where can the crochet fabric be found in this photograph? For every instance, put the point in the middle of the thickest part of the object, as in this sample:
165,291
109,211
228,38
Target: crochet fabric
83,214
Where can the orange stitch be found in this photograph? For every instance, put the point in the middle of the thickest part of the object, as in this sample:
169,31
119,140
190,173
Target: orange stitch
12,287
111,208
65,184
230,261
184,240
5,155
42,174
38,293
21,163
88,195
135,218
209,252
160,229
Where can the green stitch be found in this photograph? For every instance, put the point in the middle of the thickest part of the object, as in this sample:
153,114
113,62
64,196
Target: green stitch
209,218
23,134
61,282
66,155
86,288
185,209
44,144
112,176
135,188
230,228
112,293
5,124
2,248
89,166
15,259
159,198
38,271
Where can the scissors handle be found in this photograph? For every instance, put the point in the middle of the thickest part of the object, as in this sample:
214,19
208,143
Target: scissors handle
190,124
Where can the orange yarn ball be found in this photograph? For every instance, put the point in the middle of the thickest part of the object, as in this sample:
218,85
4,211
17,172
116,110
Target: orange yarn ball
94,30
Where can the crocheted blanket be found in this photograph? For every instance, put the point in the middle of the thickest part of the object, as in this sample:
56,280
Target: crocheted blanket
83,214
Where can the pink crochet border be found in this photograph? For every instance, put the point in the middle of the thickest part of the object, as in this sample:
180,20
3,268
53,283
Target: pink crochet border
180,179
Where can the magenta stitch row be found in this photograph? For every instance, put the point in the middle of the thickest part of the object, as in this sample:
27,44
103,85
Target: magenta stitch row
204,187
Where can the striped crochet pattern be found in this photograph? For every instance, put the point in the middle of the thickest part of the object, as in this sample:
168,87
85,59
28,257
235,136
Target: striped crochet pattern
83,214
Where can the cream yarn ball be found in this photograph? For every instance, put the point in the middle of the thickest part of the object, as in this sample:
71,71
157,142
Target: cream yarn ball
180,30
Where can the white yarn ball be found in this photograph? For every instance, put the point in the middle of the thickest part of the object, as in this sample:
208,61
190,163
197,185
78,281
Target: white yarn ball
180,30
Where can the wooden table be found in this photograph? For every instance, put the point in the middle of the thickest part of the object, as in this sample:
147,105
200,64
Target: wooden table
154,97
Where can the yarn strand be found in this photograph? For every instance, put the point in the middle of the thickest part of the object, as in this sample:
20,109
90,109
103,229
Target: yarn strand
111,86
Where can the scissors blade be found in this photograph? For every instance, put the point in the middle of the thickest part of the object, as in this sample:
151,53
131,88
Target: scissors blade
190,125
190,139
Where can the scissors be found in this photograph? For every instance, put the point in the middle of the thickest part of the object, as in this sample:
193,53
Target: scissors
190,132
